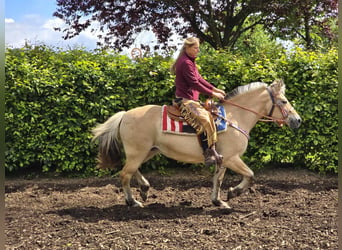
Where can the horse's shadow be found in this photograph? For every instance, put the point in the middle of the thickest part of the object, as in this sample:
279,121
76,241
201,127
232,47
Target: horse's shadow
155,211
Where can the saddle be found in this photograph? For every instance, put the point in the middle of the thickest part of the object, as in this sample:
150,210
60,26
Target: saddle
175,114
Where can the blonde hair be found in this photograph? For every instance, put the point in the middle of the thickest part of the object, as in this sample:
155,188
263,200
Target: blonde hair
189,42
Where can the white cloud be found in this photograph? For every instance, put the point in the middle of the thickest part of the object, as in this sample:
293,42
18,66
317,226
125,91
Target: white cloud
52,23
9,20
34,30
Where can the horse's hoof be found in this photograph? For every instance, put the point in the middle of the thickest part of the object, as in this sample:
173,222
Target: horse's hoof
225,205
134,203
221,204
138,204
231,194
143,196
234,192
144,192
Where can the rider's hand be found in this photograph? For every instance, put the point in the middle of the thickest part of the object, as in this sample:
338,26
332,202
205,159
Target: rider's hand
219,91
218,95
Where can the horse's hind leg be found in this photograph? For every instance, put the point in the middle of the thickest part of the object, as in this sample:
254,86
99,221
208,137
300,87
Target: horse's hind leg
144,185
239,167
130,169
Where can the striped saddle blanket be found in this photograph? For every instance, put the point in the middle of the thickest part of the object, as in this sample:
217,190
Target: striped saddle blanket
181,127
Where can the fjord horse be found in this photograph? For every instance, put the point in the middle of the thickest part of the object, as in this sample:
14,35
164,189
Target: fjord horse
137,132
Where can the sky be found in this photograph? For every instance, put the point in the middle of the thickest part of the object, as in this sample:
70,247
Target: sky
32,21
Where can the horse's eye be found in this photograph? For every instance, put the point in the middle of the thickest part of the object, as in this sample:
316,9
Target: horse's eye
282,102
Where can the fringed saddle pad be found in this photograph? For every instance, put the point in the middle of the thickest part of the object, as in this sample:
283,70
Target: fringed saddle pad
181,127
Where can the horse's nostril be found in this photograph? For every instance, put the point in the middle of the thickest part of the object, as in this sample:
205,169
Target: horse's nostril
299,120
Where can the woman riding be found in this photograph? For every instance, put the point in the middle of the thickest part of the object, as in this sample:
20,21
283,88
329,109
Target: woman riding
189,84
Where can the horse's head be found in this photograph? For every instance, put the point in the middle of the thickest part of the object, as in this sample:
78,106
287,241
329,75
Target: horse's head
282,108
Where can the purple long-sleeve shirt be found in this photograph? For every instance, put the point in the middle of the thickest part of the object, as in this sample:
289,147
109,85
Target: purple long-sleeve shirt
189,82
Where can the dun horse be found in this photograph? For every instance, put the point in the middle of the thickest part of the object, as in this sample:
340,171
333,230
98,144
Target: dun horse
137,132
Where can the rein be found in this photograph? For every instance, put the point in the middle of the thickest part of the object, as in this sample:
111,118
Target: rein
265,118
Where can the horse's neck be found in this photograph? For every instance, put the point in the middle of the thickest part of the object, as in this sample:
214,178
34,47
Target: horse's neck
252,101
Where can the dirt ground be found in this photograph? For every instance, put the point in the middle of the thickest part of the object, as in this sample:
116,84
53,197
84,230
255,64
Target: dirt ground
286,209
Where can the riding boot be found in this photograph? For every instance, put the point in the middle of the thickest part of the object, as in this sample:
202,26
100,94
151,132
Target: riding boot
211,157
219,157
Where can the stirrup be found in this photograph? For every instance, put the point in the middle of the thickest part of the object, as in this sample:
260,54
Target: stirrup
211,157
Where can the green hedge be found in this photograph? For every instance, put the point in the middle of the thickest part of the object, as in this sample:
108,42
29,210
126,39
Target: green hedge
311,86
54,98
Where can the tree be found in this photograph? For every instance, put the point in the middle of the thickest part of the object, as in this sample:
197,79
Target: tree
306,20
219,23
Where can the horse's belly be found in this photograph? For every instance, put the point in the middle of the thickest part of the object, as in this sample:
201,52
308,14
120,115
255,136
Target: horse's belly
181,148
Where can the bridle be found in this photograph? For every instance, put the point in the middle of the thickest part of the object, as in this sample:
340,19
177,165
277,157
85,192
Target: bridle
269,117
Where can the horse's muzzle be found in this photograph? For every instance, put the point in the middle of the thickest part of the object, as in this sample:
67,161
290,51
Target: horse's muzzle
294,121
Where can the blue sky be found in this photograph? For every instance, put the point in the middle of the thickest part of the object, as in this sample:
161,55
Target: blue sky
17,9
32,21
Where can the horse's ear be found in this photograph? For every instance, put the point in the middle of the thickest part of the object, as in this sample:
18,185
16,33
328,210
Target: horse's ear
278,86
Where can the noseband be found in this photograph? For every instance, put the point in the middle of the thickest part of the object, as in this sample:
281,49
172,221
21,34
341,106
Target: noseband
283,111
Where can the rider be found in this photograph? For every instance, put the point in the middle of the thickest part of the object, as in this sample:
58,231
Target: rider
189,84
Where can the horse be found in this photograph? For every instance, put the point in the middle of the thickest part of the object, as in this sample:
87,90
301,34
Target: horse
137,133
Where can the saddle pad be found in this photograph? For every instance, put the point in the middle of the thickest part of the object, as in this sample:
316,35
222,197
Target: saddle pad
180,127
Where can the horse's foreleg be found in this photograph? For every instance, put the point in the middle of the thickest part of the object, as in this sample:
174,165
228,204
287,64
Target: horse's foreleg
239,189
143,184
239,167
217,182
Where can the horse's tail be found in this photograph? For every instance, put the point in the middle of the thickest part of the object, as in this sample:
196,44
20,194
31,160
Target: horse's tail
109,144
